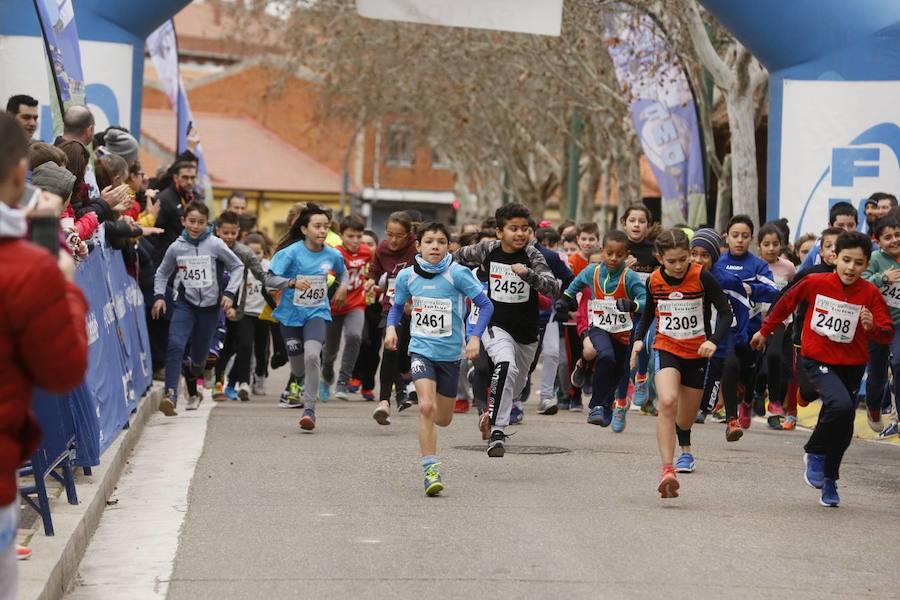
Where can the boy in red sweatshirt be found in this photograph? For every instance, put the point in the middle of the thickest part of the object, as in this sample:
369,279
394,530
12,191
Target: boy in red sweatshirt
846,312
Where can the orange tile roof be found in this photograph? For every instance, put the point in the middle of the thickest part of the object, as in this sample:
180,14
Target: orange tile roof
242,154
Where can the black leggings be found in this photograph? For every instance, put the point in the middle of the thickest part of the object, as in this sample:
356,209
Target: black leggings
395,363
779,363
725,373
370,351
481,379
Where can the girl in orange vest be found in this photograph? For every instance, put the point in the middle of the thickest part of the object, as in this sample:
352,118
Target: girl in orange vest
679,297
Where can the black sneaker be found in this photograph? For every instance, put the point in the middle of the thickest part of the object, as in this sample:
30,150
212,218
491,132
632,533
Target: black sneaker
403,401
496,448
579,374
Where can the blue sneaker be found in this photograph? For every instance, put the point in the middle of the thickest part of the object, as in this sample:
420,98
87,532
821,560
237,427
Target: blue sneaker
889,431
433,483
618,418
231,393
640,392
815,470
685,463
600,415
324,391
829,493
516,415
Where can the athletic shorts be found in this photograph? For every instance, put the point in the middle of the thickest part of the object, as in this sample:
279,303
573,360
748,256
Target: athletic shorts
445,374
693,370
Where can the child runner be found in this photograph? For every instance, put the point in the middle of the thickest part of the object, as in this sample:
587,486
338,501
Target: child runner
723,372
516,272
679,296
350,317
614,292
300,269
639,227
254,305
884,273
588,235
846,312
760,286
438,289
393,255
369,356
778,351
198,260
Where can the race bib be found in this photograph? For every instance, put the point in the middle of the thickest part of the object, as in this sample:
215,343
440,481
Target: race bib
315,295
604,315
681,319
432,317
391,286
834,319
473,314
196,271
891,293
506,286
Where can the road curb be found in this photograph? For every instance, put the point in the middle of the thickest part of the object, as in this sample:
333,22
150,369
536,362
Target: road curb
50,571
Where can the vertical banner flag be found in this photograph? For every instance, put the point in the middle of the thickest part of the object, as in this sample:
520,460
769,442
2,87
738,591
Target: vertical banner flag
162,46
57,19
542,17
663,111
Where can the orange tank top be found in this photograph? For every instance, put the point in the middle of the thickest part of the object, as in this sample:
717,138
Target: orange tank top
680,325
619,325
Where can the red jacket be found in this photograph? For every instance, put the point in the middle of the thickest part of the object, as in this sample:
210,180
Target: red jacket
357,264
828,287
43,342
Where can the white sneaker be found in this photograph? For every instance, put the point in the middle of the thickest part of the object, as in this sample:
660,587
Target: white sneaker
243,390
547,406
193,403
259,386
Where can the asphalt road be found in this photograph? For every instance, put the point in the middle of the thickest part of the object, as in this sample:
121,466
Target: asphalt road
340,513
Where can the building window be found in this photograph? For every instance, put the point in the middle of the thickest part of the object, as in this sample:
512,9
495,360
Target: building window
401,146
437,161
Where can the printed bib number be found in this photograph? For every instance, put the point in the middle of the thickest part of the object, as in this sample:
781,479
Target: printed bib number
196,271
681,319
315,295
834,319
506,286
432,317
473,314
391,286
891,293
605,315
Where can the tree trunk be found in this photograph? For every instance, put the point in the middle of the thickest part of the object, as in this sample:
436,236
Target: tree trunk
744,175
723,195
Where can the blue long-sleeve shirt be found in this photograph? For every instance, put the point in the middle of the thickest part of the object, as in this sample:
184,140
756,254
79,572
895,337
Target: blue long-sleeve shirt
756,273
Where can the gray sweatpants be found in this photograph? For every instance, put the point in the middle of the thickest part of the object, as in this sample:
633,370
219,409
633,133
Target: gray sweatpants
304,349
550,354
512,361
351,326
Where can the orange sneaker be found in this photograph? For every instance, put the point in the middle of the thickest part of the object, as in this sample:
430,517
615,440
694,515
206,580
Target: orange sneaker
668,483
23,552
789,423
461,406
733,431
308,421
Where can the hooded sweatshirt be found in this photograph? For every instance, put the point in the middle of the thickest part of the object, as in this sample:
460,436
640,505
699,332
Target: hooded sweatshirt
390,262
199,267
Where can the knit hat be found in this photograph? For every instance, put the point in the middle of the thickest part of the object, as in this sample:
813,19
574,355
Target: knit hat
52,178
121,143
709,240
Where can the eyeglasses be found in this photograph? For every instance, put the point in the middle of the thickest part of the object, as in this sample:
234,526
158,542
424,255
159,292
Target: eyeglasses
396,236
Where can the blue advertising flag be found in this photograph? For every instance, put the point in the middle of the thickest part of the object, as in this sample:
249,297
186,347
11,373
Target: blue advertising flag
57,20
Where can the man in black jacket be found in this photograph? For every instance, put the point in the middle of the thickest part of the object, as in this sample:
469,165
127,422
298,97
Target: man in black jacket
172,201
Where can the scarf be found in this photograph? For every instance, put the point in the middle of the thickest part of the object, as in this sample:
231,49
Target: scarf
12,222
434,269
187,237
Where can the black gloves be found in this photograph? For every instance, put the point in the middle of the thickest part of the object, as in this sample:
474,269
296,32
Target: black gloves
626,305
563,307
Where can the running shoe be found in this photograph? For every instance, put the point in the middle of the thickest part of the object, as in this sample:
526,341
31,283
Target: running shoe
167,404
219,392
700,419
547,406
759,404
484,425
774,421
516,415
308,420
775,410
814,474
719,415
876,423
889,431
354,385
733,431
433,483
576,405
461,406
789,423
496,448
640,393
563,405
243,392
618,417
403,401
292,397
341,391
685,463
579,374
259,386
368,395
830,496
382,414
193,403
745,414
231,393
324,391
668,483
600,415
23,552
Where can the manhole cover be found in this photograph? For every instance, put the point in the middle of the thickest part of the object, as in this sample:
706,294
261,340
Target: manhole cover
519,449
